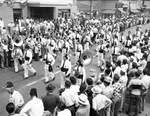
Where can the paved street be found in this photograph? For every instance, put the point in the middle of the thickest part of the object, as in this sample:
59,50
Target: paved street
24,86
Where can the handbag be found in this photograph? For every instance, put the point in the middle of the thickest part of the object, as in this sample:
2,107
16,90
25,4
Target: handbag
64,69
50,68
80,77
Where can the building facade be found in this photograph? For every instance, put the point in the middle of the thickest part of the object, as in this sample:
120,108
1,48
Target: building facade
110,7
10,10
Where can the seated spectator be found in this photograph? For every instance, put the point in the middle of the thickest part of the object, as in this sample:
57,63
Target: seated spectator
10,108
61,110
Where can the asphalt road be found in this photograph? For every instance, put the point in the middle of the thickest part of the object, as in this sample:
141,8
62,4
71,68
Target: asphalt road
24,85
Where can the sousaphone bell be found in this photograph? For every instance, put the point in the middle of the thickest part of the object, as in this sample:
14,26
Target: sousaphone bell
17,41
86,58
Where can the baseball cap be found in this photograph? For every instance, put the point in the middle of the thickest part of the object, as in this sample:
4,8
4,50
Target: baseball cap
9,84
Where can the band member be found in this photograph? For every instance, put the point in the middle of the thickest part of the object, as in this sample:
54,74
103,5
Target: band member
128,41
79,51
100,52
49,62
65,47
1,56
17,55
65,69
79,72
53,46
87,41
28,62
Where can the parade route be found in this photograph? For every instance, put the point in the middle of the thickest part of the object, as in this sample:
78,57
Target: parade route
24,85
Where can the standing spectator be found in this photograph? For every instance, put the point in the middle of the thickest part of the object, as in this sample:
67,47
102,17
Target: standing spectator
146,82
68,98
35,106
108,92
84,106
100,102
74,87
123,80
116,99
15,97
50,100
89,93
135,85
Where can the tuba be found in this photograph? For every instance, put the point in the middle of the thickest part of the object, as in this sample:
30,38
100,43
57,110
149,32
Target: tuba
17,41
86,58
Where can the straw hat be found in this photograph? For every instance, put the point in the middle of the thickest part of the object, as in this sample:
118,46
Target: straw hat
96,89
82,99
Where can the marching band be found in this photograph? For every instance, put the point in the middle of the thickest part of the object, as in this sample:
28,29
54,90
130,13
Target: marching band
33,40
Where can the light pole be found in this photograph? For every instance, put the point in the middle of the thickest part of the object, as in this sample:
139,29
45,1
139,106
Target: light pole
129,9
91,9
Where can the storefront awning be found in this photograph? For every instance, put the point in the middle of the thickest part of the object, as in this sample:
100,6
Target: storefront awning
135,11
50,2
121,10
108,11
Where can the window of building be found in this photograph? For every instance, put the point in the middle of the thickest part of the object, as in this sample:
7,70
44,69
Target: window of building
65,13
17,14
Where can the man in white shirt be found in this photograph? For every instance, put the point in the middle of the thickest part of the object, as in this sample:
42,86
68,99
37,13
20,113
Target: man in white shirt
118,69
35,106
123,80
142,63
15,97
136,86
146,81
68,98
74,86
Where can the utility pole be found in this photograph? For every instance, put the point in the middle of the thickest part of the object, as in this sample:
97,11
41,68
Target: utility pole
143,2
91,9
129,9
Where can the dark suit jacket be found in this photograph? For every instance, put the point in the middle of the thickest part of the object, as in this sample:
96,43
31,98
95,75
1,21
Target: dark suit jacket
50,102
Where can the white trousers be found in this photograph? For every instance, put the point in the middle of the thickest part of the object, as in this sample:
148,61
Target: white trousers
27,68
48,74
64,51
77,56
63,79
100,58
86,46
16,65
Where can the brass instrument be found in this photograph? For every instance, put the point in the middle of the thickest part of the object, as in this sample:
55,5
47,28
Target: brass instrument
86,58
17,41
